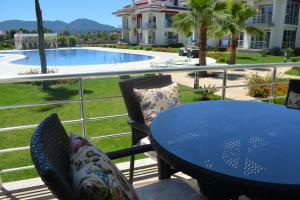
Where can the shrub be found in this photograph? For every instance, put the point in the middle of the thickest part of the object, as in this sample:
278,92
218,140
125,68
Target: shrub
264,52
141,47
288,52
264,91
216,55
295,59
148,48
206,92
122,46
276,51
49,71
296,68
222,59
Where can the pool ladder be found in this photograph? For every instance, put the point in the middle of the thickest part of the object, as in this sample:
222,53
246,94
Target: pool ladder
116,60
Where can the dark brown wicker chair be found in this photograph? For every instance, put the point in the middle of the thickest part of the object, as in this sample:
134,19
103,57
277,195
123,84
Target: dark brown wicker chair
294,86
50,153
136,119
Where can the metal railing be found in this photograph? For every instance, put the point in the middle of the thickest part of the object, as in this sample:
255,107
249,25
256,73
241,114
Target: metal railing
241,44
262,19
151,25
81,100
259,44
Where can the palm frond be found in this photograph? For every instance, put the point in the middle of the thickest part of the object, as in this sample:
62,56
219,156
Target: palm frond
252,30
184,23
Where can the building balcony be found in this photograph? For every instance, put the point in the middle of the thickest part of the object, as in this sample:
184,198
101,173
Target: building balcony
241,44
262,19
259,45
149,26
84,109
168,25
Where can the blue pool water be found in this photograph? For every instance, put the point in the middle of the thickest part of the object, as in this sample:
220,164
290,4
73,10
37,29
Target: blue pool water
70,57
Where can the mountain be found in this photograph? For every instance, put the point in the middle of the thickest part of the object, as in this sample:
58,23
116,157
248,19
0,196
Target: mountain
76,26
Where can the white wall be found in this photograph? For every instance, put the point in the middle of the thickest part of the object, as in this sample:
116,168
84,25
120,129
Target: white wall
279,11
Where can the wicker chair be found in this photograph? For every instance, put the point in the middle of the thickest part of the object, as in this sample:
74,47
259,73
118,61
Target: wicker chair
50,152
294,86
136,119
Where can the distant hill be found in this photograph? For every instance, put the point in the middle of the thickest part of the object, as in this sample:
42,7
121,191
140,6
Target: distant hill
76,26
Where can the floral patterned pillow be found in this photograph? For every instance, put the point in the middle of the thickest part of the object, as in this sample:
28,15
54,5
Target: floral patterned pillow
153,101
294,100
95,176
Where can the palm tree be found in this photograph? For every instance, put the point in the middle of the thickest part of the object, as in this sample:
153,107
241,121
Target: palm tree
40,30
239,13
203,14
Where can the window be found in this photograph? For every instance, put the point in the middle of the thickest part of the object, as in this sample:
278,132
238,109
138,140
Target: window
289,39
171,37
258,42
175,2
265,15
292,12
169,19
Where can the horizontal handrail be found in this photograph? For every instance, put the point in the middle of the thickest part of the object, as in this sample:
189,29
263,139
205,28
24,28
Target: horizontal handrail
158,69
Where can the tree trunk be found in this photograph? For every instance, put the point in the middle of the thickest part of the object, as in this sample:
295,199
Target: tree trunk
202,54
40,30
233,48
202,45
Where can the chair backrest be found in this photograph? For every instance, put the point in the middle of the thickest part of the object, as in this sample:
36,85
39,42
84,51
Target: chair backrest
145,82
50,152
294,86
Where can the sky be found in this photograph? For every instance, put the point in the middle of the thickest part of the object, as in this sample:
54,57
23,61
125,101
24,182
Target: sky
65,10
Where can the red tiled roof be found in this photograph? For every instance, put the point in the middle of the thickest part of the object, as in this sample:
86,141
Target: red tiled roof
144,4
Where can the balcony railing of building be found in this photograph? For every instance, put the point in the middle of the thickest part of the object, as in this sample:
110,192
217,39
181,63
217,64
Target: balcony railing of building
262,19
288,45
259,45
291,20
241,44
168,25
82,100
149,26
171,41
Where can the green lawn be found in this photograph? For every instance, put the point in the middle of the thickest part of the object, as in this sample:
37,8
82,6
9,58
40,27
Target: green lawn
247,58
294,71
11,94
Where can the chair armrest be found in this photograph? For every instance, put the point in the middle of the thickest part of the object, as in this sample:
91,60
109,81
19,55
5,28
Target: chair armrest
129,151
139,126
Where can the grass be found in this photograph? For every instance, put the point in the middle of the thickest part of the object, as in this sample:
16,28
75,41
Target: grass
295,71
20,93
246,58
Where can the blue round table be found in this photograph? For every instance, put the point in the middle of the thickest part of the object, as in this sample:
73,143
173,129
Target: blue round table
233,147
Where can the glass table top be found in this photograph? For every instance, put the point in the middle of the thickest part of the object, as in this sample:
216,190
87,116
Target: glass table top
249,140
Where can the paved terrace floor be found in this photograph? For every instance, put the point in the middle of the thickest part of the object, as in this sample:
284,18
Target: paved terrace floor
34,189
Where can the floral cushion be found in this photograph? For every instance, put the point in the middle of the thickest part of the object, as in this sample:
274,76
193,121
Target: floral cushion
293,100
153,101
95,176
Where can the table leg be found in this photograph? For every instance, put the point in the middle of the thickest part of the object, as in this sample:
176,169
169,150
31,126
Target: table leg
164,170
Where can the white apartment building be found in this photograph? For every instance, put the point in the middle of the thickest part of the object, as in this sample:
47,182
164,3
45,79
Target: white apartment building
150,22
279,19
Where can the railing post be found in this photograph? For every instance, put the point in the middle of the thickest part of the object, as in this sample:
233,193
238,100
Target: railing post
196,80
1,184
273,84
82,115
224,85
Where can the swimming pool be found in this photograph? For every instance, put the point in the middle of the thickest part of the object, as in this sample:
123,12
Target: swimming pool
71,57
